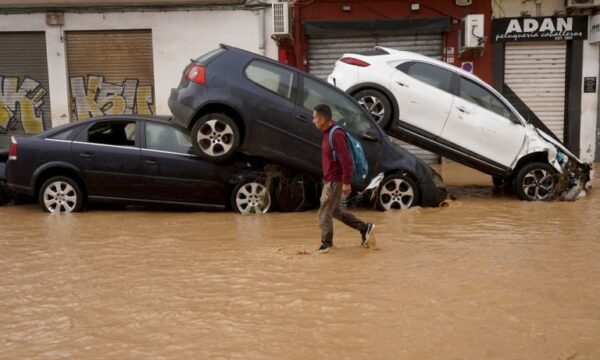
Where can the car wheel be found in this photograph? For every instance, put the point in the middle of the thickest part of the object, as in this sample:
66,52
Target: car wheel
536,181
397,191
215,137
376,104
61,194
251,197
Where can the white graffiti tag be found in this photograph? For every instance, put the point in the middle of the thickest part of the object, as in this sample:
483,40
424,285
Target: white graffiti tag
98,98
21,104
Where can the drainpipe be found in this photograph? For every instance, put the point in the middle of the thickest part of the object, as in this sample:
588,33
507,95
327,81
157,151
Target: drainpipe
261,31
538,8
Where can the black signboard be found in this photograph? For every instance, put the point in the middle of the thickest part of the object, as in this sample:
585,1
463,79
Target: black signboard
589,84
540,28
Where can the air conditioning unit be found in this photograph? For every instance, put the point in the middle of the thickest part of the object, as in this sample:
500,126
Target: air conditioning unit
281,18
473,31
582,3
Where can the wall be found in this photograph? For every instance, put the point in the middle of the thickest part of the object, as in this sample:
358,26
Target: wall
177,37
63,3
385,9
514,8
589,103
590,66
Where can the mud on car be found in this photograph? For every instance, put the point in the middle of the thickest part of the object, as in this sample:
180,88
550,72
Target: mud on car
234,101
453,113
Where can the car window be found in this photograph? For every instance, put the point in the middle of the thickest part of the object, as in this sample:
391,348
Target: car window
345,111
65,134
479,95
271,77
167,138
120,133
430,74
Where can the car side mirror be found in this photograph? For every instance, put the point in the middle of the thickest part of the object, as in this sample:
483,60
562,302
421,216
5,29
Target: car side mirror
370,135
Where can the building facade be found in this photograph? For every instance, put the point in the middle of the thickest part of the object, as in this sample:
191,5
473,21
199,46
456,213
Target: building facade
71,60
323,31
547,64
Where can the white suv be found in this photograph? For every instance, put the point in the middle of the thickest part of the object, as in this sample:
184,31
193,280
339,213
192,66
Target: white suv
451,112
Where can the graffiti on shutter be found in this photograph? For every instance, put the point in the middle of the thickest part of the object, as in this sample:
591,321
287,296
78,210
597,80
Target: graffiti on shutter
95,97
20,104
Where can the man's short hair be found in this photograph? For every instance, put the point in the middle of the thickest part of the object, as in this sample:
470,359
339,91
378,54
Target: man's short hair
323,110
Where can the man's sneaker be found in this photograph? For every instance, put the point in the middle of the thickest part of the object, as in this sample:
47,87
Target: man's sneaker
325,248
365,234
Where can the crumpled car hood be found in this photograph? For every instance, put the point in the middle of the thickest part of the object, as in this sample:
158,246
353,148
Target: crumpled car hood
575,176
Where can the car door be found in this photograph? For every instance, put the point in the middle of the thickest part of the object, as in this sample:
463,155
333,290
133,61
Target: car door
108,154
424,96
271,106
304,146
171,171
483,125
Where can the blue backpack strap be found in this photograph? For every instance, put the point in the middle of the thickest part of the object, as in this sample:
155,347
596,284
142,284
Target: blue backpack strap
333,129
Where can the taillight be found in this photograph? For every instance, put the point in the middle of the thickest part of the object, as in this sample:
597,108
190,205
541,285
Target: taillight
353,61
12,149
196,73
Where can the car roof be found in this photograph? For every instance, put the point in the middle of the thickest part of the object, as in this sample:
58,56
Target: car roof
386,54
275,62
158,118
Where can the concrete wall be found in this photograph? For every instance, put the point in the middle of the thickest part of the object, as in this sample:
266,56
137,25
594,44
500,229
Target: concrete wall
69,3
514,8
177,37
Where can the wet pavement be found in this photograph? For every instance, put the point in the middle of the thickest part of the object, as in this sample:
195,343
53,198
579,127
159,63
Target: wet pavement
489,277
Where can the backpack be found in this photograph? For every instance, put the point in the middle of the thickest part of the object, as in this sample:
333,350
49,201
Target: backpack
360,165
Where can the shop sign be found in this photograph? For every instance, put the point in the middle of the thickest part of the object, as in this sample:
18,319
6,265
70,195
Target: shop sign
540,28
595,29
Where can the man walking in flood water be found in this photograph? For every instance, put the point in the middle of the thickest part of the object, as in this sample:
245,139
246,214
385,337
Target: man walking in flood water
337,176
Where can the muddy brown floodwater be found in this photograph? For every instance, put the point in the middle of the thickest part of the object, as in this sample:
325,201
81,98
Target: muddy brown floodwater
489,277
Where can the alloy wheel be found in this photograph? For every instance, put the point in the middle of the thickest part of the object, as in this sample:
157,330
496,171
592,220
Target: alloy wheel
538,184
374,106
60,196
252,197
396,193
215,137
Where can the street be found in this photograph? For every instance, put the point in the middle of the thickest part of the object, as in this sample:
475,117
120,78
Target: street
487,277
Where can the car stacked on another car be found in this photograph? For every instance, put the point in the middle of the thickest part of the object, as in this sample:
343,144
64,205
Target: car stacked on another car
451,112
237,101
131,159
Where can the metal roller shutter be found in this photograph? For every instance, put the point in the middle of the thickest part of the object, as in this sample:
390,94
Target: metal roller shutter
24,88
535,71
324,52
110,72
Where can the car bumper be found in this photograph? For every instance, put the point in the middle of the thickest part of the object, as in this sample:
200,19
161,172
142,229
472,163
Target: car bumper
182,114
433,191
433,196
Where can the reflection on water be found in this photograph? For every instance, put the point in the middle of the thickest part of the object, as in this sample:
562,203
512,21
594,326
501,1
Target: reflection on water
489,277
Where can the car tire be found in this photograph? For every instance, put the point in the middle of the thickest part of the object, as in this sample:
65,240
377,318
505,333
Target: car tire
61,194
377,105
536,182
397,191
215,137
251,197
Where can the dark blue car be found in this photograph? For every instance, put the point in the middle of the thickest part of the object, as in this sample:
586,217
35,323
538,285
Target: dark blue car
131,160
233,100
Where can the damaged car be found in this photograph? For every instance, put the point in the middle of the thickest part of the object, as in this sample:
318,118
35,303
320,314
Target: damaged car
453,113
232,100
144,160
